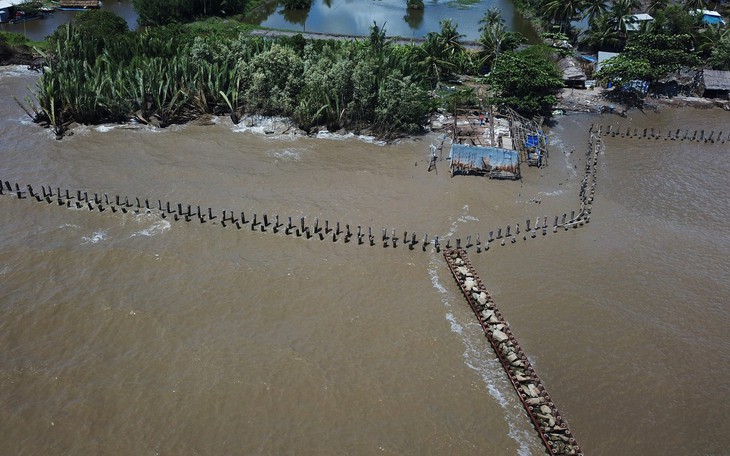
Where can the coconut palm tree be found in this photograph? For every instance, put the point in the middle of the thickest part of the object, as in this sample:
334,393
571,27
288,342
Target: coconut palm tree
494,36
711,38
604,34
657,5
593,9
562,12
690,5
433,59
623,8
450,38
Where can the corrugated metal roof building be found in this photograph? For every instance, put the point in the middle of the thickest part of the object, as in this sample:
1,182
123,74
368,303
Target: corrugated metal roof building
492,162
5,6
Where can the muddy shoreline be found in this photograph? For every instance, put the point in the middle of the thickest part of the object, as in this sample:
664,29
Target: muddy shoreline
593,101
14,56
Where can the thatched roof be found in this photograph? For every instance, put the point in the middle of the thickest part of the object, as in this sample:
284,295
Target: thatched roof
571,69
716,79
79,3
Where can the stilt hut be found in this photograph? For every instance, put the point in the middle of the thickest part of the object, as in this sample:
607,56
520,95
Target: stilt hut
493,162
714,84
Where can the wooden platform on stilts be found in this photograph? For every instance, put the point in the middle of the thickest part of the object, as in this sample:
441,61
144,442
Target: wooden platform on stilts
543,413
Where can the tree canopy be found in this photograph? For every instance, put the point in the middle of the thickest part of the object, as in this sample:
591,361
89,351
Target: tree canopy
527,80
98,24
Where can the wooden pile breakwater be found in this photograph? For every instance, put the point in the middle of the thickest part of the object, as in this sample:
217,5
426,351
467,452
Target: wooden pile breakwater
668,134
300,227
304,228
549,423
588,183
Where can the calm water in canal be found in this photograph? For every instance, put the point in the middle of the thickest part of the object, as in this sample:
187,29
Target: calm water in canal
355,17
131,334
350,17
39,29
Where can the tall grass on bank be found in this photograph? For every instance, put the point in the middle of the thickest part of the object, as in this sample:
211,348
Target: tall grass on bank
165,75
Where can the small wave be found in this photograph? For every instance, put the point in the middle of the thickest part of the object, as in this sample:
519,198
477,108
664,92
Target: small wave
342,137
79,130
135,125
467,218
263,125
105,128
15,71
287,154
553,193
25,120
176,127
95,238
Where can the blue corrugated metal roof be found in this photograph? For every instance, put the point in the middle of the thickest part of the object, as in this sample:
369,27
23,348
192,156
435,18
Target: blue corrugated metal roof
484,159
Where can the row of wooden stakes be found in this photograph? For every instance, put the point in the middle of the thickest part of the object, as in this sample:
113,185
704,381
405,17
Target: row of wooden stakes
667,134
336,231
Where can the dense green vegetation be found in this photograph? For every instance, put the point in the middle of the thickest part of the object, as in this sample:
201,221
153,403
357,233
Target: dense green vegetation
414,4
166,75
526,80
100,72
649,57
675,38
19,42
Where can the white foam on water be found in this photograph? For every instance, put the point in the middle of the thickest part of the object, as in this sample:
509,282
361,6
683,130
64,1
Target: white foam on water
105,128
135,125
342,137
15,71
465,217
570,166
455,326
262,125
287,154
25,120
158,227
95,238
553,193
241,128
477,359
488,368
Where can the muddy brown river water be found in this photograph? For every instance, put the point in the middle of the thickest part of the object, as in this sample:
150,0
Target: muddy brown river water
129,334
